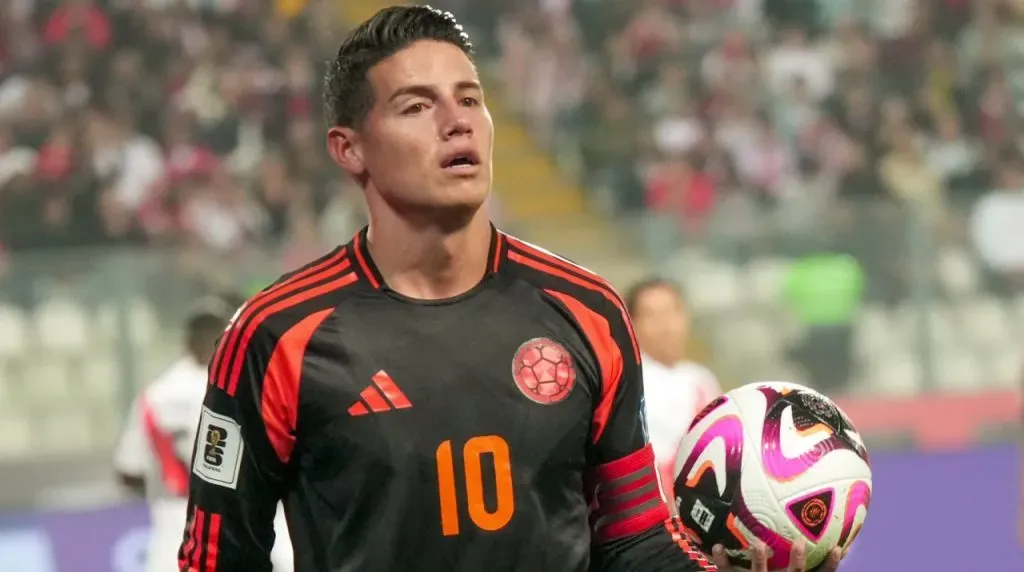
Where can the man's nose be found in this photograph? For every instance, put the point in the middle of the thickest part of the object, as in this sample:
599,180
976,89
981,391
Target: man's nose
456,124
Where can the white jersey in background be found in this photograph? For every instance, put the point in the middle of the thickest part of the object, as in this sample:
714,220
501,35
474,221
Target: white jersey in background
157,445
673,396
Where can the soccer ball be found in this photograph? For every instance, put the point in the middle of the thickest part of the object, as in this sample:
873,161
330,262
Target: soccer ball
775,462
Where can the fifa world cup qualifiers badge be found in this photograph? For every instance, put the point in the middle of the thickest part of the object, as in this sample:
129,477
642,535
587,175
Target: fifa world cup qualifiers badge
216,438
219,454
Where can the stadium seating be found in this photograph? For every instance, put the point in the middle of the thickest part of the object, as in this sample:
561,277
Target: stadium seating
974,336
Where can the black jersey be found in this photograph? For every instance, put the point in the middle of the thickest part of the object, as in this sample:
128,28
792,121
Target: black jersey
500,430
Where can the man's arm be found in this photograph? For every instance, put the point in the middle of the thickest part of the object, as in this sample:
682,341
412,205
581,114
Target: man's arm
131,455
236,471
632,530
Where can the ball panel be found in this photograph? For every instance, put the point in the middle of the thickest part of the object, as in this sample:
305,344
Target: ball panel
855,511
811,512
842,492
715,444
708,409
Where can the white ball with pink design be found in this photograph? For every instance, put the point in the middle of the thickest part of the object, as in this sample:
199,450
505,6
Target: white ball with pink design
775,462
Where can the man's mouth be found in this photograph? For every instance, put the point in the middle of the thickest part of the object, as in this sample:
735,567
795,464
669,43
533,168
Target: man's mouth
459,161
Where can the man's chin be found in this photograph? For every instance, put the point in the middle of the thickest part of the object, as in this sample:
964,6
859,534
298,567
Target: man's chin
451,214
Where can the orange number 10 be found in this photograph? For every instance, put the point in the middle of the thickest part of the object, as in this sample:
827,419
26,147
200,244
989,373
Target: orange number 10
478,512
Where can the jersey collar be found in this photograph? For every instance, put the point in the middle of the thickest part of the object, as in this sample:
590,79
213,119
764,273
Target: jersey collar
369,269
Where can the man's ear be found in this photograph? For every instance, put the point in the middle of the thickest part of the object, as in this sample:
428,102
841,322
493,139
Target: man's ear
345,148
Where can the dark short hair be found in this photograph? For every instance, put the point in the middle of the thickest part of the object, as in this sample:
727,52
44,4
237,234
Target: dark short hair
632,297
348,95
208,317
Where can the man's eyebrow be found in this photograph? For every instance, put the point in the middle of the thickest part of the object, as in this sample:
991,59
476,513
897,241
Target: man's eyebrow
423,90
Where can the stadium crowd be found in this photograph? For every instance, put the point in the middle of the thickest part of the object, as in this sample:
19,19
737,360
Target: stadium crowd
193,126
807,121
789,128
196,123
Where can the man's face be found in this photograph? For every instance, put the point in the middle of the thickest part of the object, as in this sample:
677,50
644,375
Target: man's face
426,143
661,324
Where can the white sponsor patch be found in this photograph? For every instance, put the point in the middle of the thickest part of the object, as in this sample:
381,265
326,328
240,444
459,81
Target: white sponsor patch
218,453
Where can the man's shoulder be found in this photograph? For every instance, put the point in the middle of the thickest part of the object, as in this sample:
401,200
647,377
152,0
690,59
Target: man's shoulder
547,271
312,290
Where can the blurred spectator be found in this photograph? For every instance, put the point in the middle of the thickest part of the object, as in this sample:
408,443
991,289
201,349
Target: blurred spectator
189,127
997,229
824,290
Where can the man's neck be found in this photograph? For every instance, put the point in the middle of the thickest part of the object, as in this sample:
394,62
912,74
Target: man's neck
427,262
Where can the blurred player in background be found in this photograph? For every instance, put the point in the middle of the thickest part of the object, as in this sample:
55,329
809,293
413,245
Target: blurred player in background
675,389
155,450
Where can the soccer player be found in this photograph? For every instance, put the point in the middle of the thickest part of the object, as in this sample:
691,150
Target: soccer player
675,389
435,394
155,447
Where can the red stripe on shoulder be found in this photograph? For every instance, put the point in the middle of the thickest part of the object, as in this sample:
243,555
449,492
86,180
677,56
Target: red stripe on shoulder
236,340
628,497
609,356
280,401
282,304
296,281
539,259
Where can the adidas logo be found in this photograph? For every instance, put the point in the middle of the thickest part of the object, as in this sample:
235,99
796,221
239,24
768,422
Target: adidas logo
381,395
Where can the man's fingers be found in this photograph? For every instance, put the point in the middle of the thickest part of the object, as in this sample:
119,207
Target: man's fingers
798,557
720,559
760,560
832,562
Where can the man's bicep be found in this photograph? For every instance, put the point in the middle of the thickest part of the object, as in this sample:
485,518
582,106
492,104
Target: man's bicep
625,493
620,418
235,483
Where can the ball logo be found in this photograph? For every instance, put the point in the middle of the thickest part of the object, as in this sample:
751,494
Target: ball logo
543,371
813,513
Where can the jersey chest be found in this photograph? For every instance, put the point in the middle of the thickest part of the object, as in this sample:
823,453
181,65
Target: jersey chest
484,400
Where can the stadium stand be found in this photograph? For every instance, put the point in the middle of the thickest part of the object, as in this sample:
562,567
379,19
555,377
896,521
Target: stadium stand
152,151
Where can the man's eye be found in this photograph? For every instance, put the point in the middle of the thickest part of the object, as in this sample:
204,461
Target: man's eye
414,109
470,101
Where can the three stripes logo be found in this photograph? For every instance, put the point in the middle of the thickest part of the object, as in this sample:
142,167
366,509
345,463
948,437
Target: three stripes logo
381,395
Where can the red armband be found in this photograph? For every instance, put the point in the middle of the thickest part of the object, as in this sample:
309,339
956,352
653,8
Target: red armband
628,497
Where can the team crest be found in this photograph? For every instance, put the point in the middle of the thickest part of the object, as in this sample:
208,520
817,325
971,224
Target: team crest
543,371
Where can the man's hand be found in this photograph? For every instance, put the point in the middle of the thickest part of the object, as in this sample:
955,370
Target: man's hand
797,559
